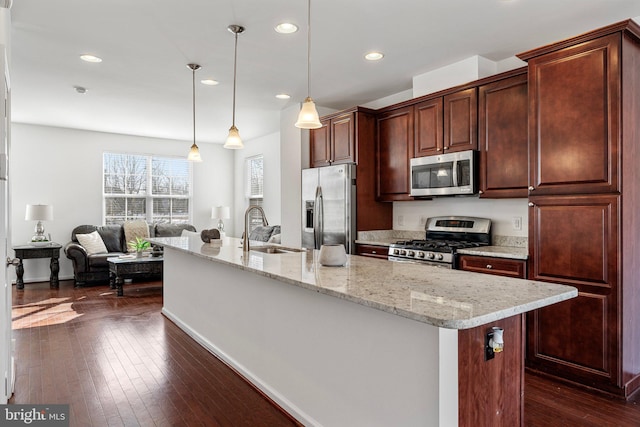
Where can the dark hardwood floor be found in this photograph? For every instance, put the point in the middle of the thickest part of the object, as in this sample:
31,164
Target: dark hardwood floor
118,362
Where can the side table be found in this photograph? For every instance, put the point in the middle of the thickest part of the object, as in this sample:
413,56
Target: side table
29,252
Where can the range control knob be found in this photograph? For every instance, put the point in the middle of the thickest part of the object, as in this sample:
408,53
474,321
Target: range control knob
420,255
403,252
430,255
410,253
440,257
396,251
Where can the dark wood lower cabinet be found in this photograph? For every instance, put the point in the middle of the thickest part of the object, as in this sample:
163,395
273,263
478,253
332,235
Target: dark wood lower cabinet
491,392
374,251
574,241
492,265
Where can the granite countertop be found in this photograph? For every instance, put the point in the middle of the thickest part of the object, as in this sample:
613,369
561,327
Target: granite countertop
435,295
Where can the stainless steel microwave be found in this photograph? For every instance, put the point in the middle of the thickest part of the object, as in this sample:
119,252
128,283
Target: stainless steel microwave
444,174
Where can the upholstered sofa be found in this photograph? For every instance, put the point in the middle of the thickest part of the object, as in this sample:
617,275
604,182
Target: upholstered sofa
94,268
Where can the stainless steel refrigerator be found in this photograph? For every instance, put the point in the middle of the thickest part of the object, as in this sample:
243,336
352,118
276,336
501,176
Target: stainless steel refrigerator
328,206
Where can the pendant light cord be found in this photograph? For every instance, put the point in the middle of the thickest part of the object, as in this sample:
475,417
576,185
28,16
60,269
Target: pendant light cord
309,48
235,64
193,73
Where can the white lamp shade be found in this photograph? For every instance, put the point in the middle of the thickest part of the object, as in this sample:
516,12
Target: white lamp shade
39,213
308,117
194,154
233,141
220,212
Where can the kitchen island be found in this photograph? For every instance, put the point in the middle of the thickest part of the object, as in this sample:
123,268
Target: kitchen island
371,343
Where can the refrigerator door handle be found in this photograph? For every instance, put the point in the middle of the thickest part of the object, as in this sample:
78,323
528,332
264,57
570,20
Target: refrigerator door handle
318,226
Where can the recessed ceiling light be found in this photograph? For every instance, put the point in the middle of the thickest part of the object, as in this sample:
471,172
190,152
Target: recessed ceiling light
209,82
374,56
283,96
80,89
90,58
286,28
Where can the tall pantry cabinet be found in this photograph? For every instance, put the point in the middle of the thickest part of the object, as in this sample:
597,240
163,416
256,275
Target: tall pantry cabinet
584,214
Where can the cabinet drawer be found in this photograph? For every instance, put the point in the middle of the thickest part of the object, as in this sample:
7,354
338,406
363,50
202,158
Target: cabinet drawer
490,265
372,251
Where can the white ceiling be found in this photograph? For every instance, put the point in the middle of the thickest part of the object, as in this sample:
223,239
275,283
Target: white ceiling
143,86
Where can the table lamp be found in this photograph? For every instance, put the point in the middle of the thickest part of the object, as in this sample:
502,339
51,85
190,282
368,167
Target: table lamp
220,212
39,213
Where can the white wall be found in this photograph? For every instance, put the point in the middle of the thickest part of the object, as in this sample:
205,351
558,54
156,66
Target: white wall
294,147
269,147
63,167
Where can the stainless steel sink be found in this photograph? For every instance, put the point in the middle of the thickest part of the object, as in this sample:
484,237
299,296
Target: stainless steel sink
275,249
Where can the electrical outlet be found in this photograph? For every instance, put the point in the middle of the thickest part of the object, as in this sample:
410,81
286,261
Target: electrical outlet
400,220
516,222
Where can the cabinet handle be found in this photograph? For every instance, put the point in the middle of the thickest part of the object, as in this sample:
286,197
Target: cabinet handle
480,192
438,149
374,252
489,266
531,188
446,148
531,204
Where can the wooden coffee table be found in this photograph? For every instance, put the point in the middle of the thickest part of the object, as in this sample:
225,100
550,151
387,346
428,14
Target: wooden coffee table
129,268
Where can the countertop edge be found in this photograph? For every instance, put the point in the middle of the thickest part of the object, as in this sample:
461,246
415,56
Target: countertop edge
438,322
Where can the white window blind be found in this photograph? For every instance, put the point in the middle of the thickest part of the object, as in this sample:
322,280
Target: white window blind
157,189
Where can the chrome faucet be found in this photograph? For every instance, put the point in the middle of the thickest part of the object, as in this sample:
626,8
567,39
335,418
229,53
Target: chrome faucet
245,235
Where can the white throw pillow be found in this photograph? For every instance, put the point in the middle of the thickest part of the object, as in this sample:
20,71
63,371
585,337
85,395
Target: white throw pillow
92,242
187,233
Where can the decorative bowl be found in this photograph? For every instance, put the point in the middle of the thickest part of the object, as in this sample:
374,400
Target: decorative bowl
40,244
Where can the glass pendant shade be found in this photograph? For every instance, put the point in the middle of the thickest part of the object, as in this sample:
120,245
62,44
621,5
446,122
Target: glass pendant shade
308,117
194,154
233,141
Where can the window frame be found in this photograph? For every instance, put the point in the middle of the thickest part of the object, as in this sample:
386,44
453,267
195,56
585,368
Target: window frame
148,195
255,219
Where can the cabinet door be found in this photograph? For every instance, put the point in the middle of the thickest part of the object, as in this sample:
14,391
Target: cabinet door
343,139
395,148
461,121
492,265
373,251
574,118
573,240
503,138
428,127
319,146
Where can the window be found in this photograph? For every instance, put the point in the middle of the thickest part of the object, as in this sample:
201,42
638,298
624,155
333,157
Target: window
156,189
254,188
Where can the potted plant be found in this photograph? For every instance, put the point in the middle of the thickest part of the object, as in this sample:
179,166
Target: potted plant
139,245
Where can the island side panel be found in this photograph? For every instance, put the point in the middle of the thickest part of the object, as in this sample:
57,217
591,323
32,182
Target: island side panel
325,360
491,391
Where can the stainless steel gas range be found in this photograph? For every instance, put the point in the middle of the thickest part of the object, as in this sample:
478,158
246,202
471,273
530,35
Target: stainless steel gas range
444,236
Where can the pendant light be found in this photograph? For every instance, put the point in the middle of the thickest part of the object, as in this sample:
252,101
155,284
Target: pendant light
308,117
233,141
194,153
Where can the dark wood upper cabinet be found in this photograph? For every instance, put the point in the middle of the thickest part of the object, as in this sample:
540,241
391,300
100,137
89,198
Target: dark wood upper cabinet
394,149
320,145
428,119
461,121
337,140
343,139
503,138
574,113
